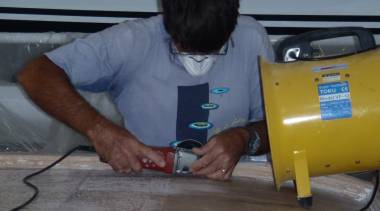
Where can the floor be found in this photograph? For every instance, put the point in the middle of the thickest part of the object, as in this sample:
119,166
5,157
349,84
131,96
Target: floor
65,189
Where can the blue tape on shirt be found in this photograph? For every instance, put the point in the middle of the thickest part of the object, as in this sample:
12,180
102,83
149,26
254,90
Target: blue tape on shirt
335,100
210,106
220,90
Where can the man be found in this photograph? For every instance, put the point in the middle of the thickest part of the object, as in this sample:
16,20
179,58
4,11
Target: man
191,74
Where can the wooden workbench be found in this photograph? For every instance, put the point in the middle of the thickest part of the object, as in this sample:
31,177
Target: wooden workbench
82,183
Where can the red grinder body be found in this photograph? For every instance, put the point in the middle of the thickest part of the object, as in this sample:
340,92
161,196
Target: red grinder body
178,161
169,157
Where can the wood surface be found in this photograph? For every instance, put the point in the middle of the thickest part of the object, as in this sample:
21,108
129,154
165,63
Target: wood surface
81,182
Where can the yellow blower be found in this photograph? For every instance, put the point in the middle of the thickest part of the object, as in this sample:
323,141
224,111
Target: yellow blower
323,117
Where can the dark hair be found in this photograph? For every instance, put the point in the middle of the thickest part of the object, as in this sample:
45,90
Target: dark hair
201,26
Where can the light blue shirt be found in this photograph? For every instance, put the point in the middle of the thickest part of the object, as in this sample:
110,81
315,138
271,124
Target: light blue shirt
132,61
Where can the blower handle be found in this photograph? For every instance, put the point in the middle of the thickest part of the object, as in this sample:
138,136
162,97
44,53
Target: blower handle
303,41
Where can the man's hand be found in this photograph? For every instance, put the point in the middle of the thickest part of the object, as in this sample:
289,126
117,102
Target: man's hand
121,150
221,154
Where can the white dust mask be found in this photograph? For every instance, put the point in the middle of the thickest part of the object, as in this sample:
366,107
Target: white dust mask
197,65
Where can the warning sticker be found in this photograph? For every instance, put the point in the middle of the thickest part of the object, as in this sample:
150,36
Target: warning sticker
330,67
335,100
331,77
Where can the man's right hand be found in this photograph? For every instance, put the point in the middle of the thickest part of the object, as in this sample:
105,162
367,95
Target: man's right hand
121,150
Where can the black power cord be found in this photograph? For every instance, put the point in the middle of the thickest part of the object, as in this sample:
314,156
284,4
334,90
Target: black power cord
35,188
373,196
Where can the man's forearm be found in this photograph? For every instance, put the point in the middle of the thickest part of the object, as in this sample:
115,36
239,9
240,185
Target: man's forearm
49,87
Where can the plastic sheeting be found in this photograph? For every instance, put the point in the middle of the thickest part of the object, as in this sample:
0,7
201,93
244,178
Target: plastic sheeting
23,126
17,49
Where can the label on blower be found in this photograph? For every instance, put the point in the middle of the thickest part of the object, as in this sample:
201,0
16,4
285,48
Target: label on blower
335,100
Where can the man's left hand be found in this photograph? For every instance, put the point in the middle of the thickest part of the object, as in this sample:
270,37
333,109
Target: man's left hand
221,154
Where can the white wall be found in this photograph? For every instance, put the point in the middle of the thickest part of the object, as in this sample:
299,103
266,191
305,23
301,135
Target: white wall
112,5
268,7
316,7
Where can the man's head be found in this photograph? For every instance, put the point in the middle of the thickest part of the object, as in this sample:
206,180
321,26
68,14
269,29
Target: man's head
200,26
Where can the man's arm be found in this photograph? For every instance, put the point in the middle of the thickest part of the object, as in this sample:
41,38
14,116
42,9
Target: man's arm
50,88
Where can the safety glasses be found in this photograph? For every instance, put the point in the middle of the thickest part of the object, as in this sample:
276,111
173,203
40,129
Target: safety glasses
173,50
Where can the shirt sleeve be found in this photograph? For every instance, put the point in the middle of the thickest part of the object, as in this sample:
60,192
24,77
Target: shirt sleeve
91,62
266,51
256,112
